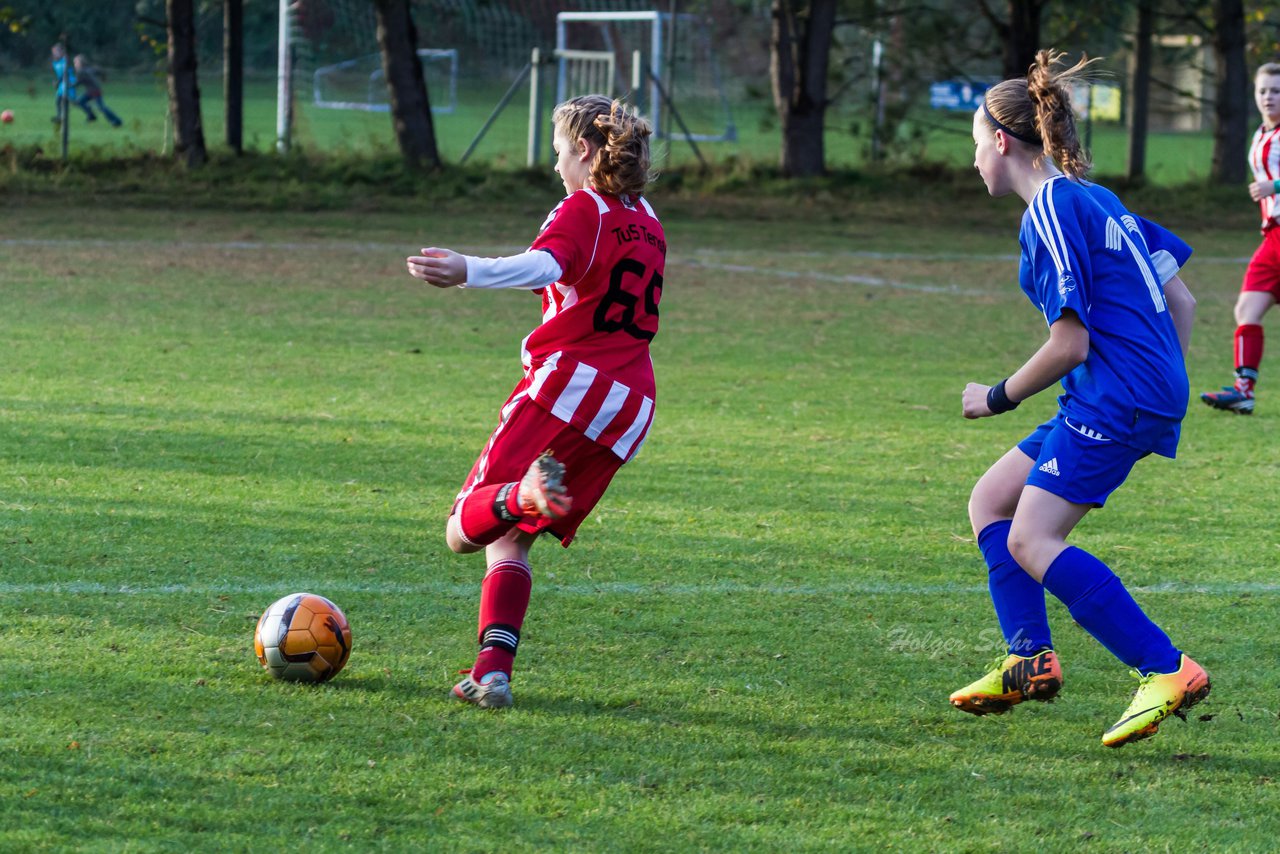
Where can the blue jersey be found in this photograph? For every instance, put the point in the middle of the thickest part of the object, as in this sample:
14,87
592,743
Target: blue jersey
1082,251
59,69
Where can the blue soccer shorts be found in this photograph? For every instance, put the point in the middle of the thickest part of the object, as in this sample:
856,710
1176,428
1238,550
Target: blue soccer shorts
1077,463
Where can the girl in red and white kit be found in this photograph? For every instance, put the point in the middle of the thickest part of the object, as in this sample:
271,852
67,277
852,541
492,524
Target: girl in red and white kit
586,400
1261,286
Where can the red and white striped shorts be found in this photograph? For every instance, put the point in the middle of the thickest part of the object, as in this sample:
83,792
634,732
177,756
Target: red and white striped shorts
524,431
1263,272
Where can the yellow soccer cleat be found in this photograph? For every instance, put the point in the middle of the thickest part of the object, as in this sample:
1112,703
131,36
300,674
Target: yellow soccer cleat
1159,695
1012,680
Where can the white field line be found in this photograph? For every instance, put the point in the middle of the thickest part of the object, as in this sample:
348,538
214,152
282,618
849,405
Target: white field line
551,588
701,259
409,246
845,278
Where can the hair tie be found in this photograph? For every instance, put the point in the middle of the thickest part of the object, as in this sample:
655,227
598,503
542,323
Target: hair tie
1013,133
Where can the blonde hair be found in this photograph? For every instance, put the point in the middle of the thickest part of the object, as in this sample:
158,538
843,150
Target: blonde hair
621,163
1039,108
1267,68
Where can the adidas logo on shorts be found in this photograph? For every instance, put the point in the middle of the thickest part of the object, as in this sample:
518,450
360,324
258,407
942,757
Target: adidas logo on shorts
1051,467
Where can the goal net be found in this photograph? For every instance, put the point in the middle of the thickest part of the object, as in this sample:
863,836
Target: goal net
360,84
663,63
333,50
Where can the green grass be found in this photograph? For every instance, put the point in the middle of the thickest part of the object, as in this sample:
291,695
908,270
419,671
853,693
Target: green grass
930,136
748,648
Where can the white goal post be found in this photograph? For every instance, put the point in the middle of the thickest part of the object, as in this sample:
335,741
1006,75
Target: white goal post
640,39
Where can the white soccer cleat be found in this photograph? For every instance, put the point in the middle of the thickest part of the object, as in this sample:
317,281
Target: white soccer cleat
493,691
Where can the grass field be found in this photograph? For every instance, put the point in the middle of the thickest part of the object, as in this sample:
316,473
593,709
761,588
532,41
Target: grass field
1172,158
750,646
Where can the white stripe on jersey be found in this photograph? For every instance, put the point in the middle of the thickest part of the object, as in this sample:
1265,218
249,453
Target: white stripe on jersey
1113,235
579,384
586,382
1040,221
1264,161
1057,227
623,446
1140,259
612,404
540,375
601,205
1166,265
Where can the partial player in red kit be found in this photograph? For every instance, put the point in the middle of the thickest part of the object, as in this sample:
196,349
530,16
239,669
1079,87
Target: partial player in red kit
586,400
1261,286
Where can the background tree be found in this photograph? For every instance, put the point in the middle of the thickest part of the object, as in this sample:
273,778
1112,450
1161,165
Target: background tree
233,72
1232,103
1140,90
800,51
1018,31
406,87
184,87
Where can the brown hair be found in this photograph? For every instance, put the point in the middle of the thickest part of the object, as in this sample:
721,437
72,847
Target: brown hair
621,163
1039,107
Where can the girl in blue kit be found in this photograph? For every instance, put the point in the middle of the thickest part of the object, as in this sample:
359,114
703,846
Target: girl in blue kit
1119,321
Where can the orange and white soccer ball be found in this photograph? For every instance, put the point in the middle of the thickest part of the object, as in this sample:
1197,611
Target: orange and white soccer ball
303,638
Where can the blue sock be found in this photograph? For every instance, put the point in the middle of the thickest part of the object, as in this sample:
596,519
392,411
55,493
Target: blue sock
1101,604
1019,598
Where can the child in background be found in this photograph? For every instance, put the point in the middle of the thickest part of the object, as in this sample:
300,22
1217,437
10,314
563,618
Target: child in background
89,81
585,402
1119,322
1261,285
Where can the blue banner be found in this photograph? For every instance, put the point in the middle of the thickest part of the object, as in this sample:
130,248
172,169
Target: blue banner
956,95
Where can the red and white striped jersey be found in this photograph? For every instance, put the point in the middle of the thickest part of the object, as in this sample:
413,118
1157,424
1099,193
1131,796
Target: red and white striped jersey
588,362
1264,160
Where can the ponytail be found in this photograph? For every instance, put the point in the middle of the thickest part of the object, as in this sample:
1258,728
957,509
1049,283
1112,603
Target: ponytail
1039,107
621,137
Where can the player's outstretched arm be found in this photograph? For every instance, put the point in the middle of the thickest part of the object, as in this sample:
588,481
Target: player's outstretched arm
1067,347
443,268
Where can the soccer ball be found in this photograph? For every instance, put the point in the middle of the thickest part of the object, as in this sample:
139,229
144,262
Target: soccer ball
6,116
303,638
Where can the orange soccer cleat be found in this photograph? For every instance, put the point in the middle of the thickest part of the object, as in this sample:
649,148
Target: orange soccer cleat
1011,681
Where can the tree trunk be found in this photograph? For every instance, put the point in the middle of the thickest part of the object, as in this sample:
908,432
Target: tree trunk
1140,91
406,88
1019,35
800,51
1024,36
1231,100
233,74
184,88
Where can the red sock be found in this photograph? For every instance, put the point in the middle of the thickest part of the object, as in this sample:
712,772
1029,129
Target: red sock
479,520
504,599
1248,341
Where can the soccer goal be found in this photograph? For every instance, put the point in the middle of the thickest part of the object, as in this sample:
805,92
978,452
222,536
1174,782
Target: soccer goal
360,84
663,63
